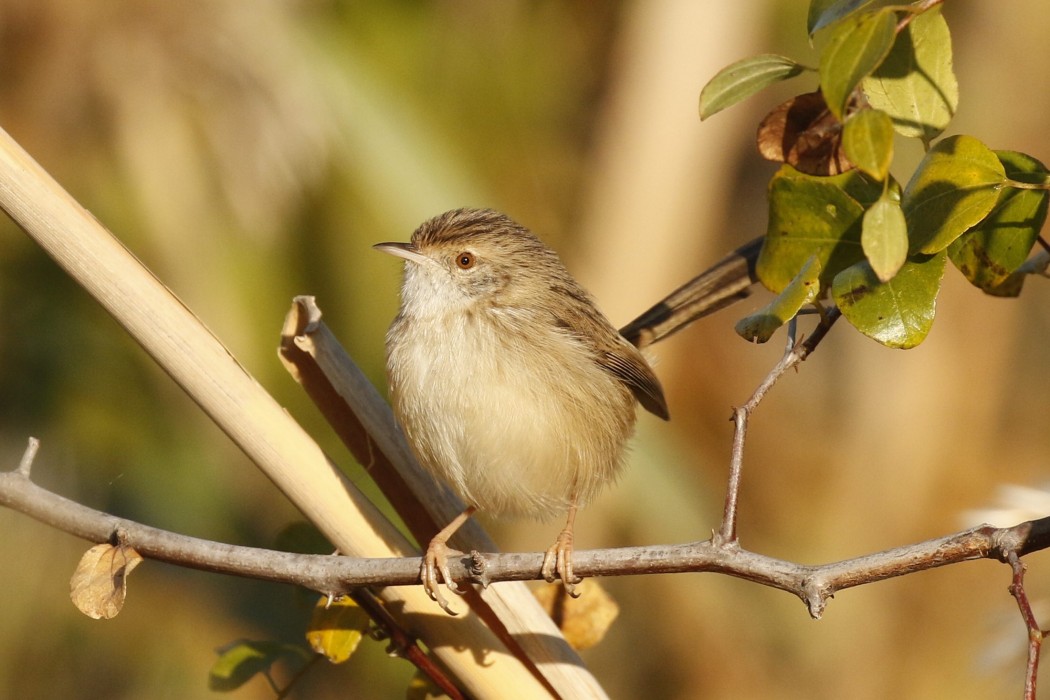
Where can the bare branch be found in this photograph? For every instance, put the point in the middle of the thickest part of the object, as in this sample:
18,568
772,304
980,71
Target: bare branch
814,585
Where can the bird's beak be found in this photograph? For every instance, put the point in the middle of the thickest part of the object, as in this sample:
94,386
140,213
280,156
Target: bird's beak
401,250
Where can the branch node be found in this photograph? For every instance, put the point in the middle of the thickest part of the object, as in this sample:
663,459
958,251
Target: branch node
119,537
815,595
725,542
1010,542
477,567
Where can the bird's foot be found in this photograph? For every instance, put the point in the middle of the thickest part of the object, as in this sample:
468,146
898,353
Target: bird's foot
557,563
435,564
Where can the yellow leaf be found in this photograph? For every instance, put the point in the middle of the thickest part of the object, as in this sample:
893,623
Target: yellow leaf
584,620
336,628
99,584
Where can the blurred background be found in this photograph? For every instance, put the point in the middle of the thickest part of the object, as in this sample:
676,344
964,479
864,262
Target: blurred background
248,152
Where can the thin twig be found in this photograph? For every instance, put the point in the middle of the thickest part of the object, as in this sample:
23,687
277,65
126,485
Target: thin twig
795,354
1035,633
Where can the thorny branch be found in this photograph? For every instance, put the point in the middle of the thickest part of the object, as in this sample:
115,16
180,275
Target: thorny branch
813,584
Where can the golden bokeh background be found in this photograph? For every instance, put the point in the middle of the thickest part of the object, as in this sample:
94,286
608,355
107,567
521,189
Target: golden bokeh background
248,152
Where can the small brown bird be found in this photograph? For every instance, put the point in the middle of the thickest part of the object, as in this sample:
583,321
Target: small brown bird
508,381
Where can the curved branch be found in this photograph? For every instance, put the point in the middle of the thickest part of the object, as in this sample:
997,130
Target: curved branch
813,584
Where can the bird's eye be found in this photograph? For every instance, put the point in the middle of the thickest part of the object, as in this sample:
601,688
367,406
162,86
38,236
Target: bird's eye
465,260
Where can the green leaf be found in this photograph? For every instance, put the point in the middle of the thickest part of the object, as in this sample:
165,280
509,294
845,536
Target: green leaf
241,660
992,250
803,289
743,79
915,85
897,313
813,216
823,13
884,238
868,139
954,187
855,49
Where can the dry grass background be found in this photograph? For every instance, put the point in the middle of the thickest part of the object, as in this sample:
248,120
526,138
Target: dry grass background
249,153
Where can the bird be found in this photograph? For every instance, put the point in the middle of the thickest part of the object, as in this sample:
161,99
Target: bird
508,382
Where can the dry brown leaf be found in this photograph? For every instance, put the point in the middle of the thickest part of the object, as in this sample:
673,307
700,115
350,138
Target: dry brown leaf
803,133
584,620
99,584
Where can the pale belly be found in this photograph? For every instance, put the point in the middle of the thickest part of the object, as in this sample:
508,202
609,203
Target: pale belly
517,433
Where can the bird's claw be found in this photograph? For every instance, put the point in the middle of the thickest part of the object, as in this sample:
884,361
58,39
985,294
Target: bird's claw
435,563
557,563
